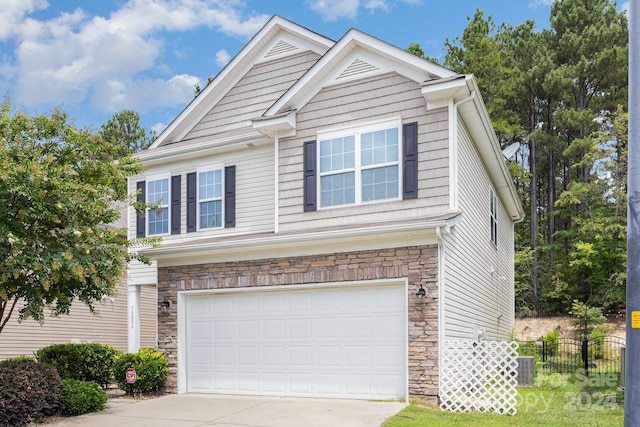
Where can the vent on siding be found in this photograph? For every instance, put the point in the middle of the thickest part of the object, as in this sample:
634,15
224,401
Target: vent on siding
357,67
280,48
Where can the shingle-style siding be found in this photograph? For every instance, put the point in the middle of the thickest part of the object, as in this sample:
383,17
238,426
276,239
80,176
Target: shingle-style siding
254,191
472,258
254,94
110,327
418,264
375,98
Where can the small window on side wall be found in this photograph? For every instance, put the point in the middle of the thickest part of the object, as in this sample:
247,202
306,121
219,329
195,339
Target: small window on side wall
494,217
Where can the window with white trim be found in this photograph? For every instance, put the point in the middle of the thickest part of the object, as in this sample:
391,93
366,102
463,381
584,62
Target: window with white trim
210,198
360,166
494,216
158,217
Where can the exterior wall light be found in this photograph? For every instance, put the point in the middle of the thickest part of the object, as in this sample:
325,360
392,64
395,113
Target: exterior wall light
421,294
165,304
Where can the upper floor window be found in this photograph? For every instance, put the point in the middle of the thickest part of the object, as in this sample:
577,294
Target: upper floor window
210,198
360,166
494,217
158,217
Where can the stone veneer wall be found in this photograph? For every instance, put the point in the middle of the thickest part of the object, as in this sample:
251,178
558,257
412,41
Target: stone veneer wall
419,264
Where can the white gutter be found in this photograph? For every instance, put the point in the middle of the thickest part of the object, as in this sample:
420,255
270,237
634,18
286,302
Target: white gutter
280,245
170,153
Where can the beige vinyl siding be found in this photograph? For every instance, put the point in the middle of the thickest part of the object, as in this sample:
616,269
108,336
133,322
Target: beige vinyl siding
349,104
478,275
254,192
139,273
148,316
254,94
109,327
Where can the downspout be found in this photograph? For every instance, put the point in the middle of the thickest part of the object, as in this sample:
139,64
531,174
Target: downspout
453,207
453,149
276,184
441,296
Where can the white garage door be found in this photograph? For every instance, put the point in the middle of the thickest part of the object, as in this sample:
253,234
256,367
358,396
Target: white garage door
347,342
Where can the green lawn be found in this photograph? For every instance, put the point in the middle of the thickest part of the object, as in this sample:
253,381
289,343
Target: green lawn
555,401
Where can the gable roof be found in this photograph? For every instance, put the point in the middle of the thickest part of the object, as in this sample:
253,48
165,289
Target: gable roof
354,56
278,37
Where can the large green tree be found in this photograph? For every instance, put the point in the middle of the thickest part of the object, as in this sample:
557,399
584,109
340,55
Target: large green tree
124,131
556,91
60,188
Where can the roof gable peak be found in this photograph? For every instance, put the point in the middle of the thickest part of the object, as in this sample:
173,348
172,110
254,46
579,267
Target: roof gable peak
356,55
278,38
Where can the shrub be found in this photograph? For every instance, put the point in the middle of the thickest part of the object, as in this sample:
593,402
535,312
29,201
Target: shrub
597,337
150,366
81,397
86,362
22,358
29,392
551,342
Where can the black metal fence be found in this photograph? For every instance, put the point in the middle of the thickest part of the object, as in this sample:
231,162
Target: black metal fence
567,355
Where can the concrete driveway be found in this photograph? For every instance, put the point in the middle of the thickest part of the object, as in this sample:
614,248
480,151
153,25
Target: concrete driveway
187,410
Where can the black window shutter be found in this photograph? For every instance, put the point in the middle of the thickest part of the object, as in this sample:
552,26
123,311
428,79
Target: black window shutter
175,204
191,203
410,160
140,220
230,196
310,196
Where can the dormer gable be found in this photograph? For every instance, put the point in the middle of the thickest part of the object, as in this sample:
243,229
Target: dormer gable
356,55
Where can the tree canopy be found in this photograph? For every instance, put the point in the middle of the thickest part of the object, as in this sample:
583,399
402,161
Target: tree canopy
123,130
561,93
61,187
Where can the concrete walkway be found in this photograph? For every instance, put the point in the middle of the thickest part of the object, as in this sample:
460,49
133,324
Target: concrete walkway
188,410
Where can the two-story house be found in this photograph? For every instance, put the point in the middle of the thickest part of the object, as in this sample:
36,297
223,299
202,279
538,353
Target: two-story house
330,213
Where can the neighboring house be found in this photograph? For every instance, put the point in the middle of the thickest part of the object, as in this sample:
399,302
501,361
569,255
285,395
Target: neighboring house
109,326
307,196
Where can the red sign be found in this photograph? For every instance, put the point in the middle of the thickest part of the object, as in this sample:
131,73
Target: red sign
131,376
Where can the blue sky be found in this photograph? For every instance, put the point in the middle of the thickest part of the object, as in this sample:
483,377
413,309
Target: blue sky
94,58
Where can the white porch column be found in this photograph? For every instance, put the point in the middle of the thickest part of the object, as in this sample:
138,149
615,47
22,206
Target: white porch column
133,317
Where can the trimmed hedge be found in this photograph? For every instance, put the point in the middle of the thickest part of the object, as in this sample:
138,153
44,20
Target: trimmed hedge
85,362
29,392
81,397
150,366
22,358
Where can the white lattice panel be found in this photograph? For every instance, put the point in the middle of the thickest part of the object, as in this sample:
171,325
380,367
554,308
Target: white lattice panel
479,376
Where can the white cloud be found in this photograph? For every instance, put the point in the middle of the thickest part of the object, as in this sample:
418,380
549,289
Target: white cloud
75,57
158,127
331,10
143,95
13,12
222,58
540,3
373,5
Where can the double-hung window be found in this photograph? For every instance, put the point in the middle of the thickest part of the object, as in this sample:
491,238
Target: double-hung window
359,166
210,198
494,216
158,216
